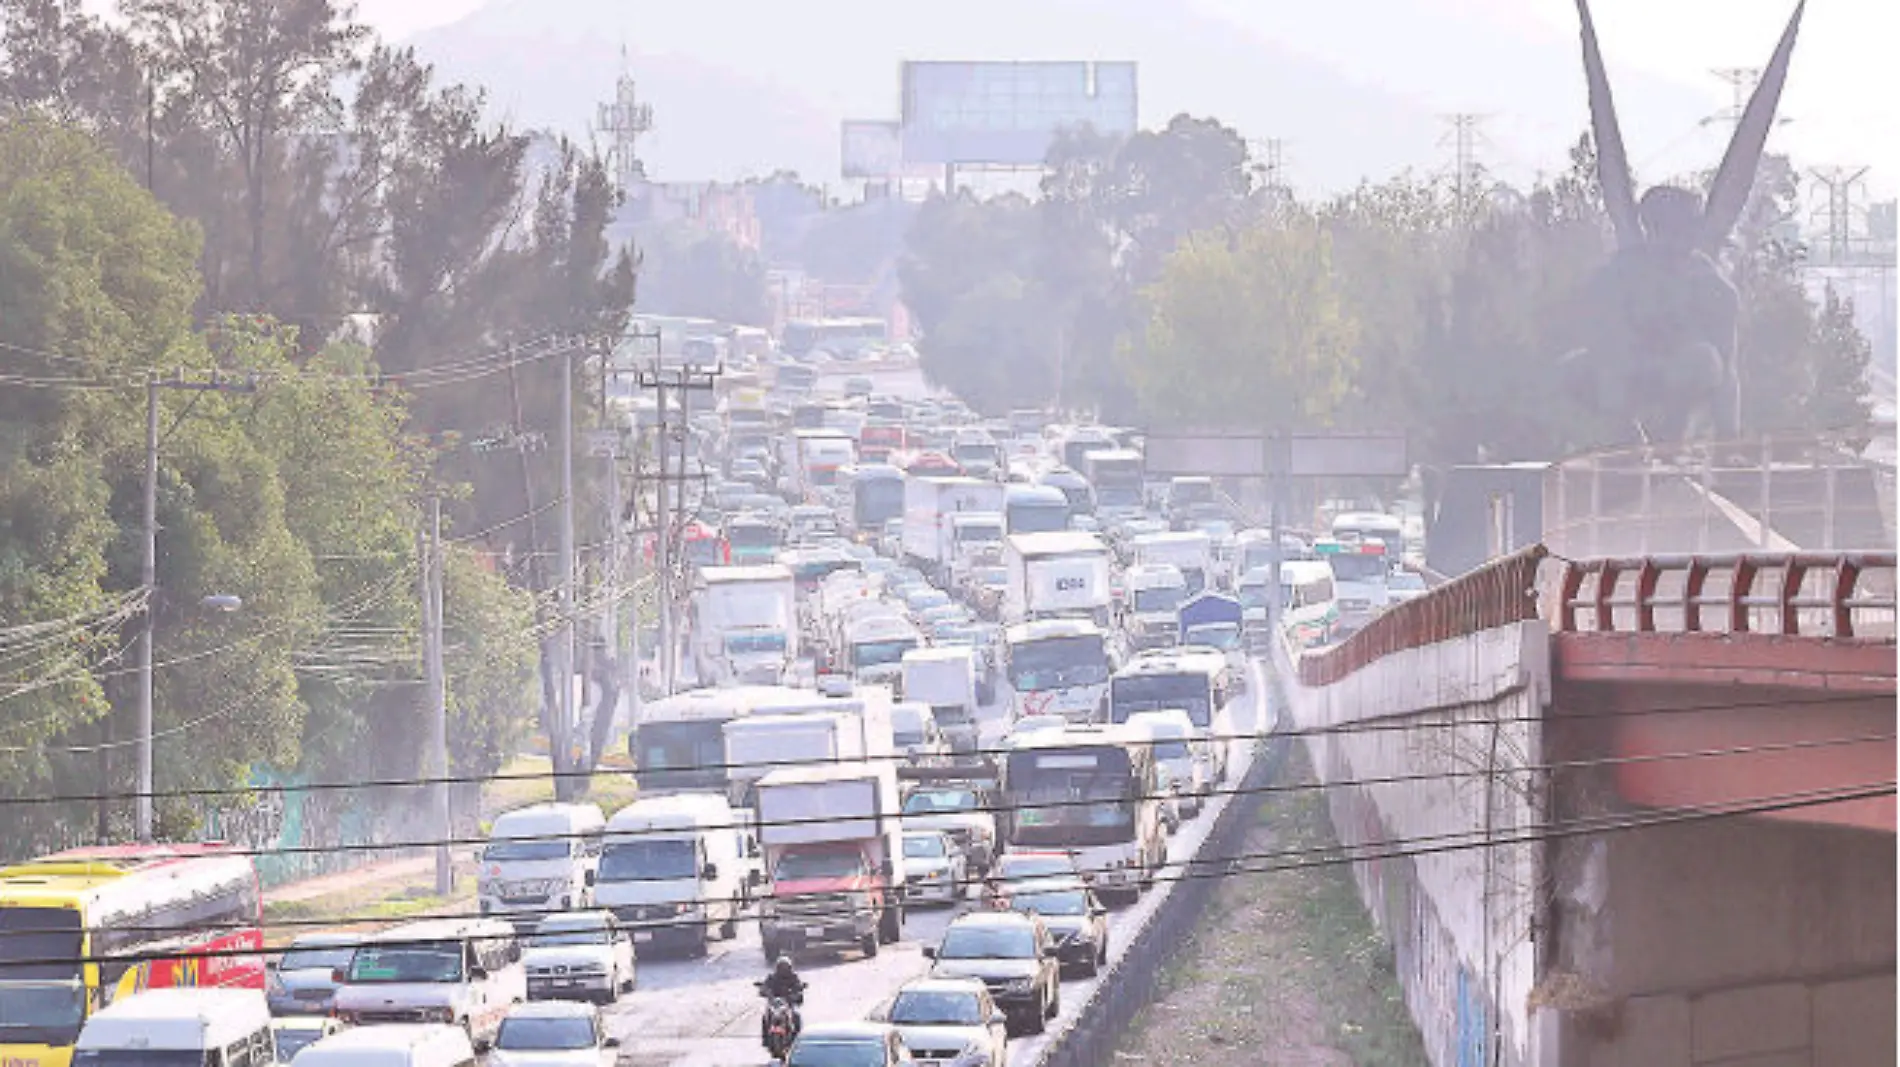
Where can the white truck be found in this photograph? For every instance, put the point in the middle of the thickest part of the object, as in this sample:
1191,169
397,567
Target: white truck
1189,551
1055,575
874,648
945,679
929,539
678,869
1154,594
814,457
745,625
834,857
976,538
816,732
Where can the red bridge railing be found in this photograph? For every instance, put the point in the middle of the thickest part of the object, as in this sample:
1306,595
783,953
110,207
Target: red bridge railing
1499,593
1806,594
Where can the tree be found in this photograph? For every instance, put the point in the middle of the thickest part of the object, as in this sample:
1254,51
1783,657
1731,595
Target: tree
687,271
1246,329
489,660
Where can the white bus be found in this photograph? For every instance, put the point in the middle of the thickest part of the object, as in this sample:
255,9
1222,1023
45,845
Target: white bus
1365,526
1057,667
847,337
679,742
1087,791
1361,572
1116,475
1309,609
1187,678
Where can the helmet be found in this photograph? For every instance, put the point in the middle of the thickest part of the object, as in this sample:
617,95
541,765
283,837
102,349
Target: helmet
783,967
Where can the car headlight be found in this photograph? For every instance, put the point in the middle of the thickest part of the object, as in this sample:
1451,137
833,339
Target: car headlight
860,900
438,1015
972,1056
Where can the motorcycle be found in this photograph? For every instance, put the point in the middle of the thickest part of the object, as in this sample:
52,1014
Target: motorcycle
781,1025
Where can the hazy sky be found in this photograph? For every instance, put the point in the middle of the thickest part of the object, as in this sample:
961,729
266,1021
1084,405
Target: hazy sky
1842,96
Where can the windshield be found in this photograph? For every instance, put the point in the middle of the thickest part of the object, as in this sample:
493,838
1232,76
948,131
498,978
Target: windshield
545,1034
830,1052
1192,693
680,755
1172,750
935,800
1025,867
974,942
879,501
649,861
142,1057
290,1042
761,535
971,532
1165,598
316,959
1072,797
1255,596
575,934
754,643
1058,662
927,847
1038,518
1062,902
1222,635
39,943
879,653
1351,568
801,866
920,1008
41,1013
1407,581
517,851
374,964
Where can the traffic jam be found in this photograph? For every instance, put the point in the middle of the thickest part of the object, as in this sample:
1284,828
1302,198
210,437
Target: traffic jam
955,698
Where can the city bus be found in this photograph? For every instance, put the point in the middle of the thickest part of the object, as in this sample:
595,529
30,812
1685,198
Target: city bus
847,337
1090,792
679,742
1366,526
1035,509
82,928
1057,667
1360,579
1188,678
1116,474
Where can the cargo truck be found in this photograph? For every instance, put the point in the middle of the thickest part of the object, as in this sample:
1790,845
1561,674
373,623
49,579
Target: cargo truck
745,625
816,732
928,537
945,679
834,858
1055,575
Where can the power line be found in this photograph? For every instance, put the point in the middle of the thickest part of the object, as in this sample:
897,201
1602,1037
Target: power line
1196,867
1466,135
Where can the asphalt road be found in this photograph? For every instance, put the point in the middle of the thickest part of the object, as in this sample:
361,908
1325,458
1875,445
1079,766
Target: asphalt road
705,1012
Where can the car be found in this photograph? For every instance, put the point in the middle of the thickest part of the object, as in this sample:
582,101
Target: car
293,1033
1076,919
1028,866
923,598
1013,954
1029,724
1176,748
552,1034
579,954
964,811
935,869
948,1022
752,473
1403,585
848,1045
303,980
859,385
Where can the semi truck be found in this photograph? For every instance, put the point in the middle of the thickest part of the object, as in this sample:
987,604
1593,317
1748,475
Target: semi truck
834,857
745,625
1055,575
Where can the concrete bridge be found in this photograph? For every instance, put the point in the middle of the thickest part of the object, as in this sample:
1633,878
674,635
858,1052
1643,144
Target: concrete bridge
1626,811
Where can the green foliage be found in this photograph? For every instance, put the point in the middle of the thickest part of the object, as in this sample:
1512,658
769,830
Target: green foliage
686,271
489,657
1246,329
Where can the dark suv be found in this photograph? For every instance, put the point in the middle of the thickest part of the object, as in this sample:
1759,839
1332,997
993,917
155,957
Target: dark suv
1014,955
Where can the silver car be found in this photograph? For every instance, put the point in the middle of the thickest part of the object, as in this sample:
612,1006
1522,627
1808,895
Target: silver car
303,980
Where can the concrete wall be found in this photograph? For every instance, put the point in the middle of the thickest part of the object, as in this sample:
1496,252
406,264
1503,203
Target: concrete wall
1460,918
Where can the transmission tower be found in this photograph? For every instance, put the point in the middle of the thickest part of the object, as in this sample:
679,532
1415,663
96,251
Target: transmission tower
624,119
1465,136
1841,211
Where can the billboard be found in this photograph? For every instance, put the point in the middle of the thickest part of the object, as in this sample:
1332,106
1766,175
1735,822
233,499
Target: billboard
871,149
1004,113
1300,455
1211,455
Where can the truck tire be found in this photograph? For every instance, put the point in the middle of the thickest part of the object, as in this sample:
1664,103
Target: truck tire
868,944
890,924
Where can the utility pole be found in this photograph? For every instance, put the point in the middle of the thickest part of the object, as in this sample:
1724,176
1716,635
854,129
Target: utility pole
148,578
683,381
430,556
565,683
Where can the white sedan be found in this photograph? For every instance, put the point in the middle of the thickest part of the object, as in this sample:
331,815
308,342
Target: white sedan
553,1034
948,1022
934,867
579,955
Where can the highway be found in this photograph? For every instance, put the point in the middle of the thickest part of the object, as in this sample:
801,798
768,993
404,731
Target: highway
705,1012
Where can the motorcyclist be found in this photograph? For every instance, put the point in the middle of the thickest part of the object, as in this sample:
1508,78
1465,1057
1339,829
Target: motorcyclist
784,983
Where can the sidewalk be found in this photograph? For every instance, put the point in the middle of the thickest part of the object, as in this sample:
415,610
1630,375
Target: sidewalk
393,871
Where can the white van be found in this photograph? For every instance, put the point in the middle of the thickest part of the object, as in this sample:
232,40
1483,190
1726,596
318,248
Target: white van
677,870
540,859
462,971
203,1026
914,732
408,1045
1178,746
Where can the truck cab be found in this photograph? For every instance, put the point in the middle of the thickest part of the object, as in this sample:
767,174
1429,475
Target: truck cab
1154,593
833,857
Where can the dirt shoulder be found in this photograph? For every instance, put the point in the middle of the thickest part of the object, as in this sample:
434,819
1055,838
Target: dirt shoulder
1284,969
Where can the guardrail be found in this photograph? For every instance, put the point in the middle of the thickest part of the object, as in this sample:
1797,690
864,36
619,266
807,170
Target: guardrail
1128,985
1499,593
1806,594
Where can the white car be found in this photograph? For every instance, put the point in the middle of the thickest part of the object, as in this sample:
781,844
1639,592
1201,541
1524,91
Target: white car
934,867
948,1022
1402,585
553,1034
579,955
